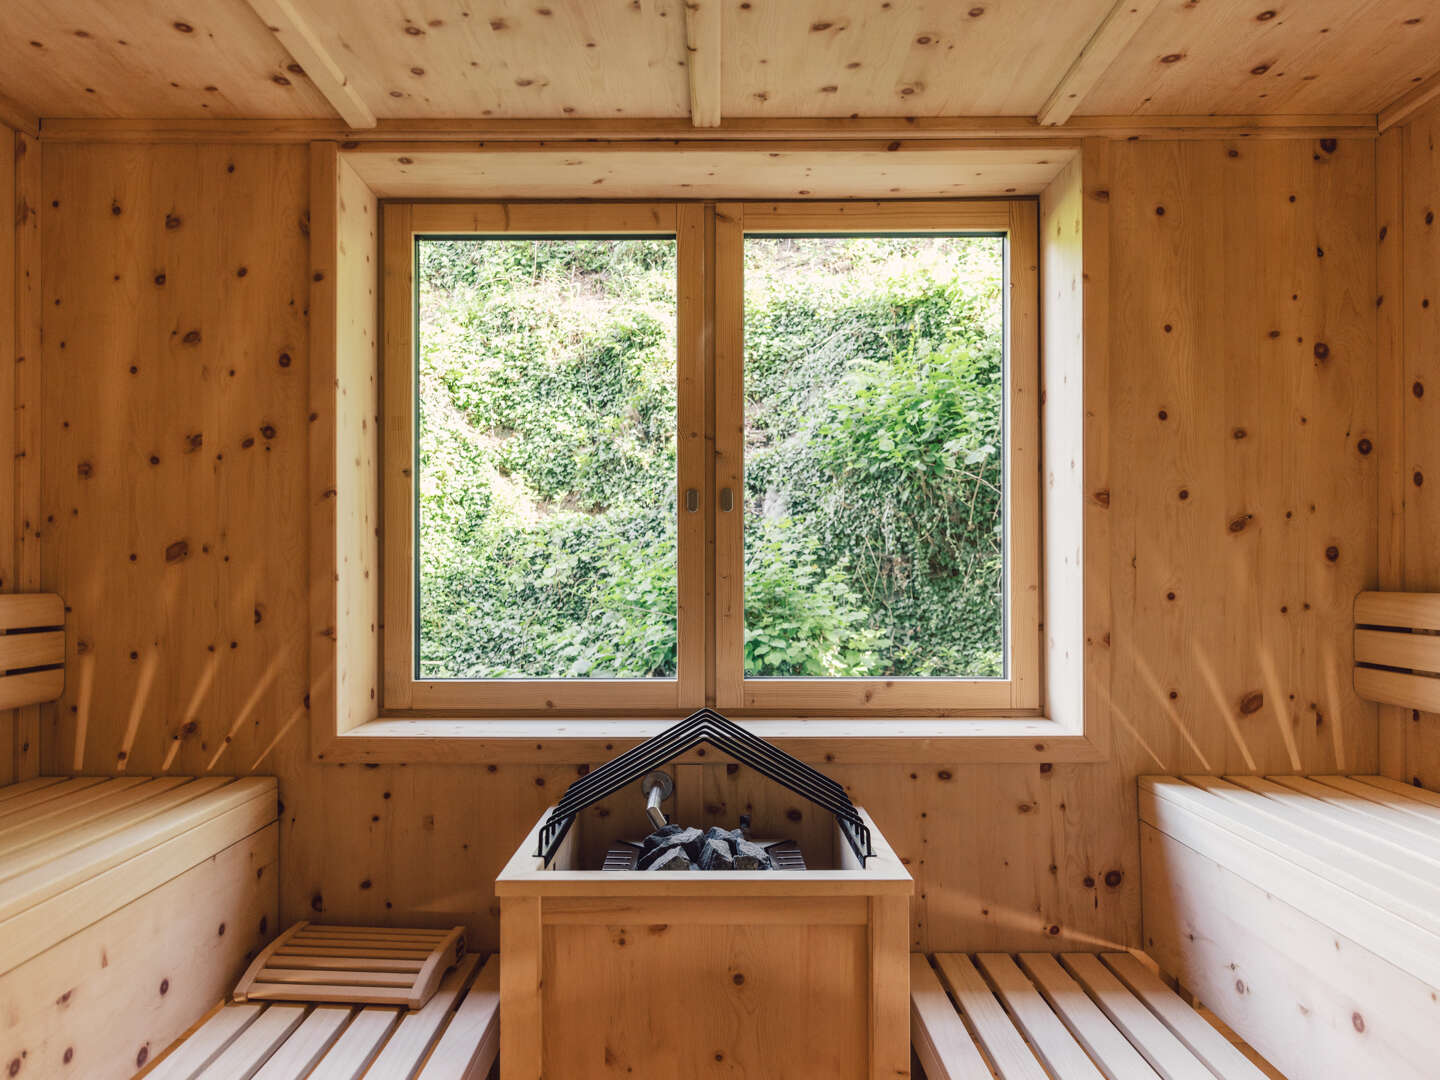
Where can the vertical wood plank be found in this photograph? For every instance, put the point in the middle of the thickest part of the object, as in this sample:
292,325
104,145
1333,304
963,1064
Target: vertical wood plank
521,977
28,506
889,987
9,339
324,483
1390,394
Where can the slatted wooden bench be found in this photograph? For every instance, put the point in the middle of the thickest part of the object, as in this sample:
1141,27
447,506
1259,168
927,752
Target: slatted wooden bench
1076,1016
454,1036
127,907
1305,912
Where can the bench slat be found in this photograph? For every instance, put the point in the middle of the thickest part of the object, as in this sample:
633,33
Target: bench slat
307,1045
1377,820
1199,1036
1405,798
26,803
403,1054
1048,1036
471,1042
352,1054
1007,1050
1110,1050
116,795
244,1057
1166,1054
205,1044
1415,857
937,1034
25,787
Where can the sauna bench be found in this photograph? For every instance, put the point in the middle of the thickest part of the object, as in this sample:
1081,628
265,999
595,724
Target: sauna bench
454,1036
128,906
1305,911
1075,1016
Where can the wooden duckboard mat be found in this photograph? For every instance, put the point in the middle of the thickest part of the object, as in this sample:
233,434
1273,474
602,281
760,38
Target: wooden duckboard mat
353,965
1076,1016
455,1036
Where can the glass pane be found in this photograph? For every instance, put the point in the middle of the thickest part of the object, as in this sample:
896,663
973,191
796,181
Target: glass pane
547,437
874,532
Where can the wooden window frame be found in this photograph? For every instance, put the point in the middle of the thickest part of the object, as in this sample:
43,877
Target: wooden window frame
710,357
1020,692
404,224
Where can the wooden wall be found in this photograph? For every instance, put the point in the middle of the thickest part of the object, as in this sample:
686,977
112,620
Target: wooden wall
1242,522
1409,385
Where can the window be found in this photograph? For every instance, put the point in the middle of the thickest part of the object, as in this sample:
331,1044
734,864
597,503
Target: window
777,457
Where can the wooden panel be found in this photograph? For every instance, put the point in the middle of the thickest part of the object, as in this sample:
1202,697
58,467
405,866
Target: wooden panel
103,1001
1227,58
776,1000
149,59
1416,175
924,58
512,58
8,342
1315,1002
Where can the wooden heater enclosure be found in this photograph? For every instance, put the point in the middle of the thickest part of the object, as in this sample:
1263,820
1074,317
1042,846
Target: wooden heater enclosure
782,974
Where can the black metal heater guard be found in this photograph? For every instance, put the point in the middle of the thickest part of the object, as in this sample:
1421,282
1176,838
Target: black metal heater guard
705,726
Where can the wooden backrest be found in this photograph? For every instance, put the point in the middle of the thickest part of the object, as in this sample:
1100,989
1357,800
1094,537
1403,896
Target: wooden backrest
32,649
1397,649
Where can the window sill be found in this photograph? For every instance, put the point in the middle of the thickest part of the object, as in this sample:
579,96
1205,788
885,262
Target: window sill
818,741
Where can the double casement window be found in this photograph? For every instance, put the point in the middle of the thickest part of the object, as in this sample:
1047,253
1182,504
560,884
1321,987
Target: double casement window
777,457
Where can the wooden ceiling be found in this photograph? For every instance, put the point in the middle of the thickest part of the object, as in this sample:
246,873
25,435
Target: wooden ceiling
713,59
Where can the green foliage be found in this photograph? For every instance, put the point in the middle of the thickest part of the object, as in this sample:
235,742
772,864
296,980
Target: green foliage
547,458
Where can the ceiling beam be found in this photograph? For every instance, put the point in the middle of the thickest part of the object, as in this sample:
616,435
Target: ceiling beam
702,59
1108,41
1409,103
304,45
904,131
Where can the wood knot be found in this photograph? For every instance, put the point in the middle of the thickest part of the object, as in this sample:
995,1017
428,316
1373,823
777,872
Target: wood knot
85,470
180,549
1329,145
1252,703
1322,351
1113,878
1365,446
192,337
1238,524
267,430
1332,553
1103,496
173,221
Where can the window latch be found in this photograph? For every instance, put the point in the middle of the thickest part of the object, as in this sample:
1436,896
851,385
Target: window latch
692,500
727,500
